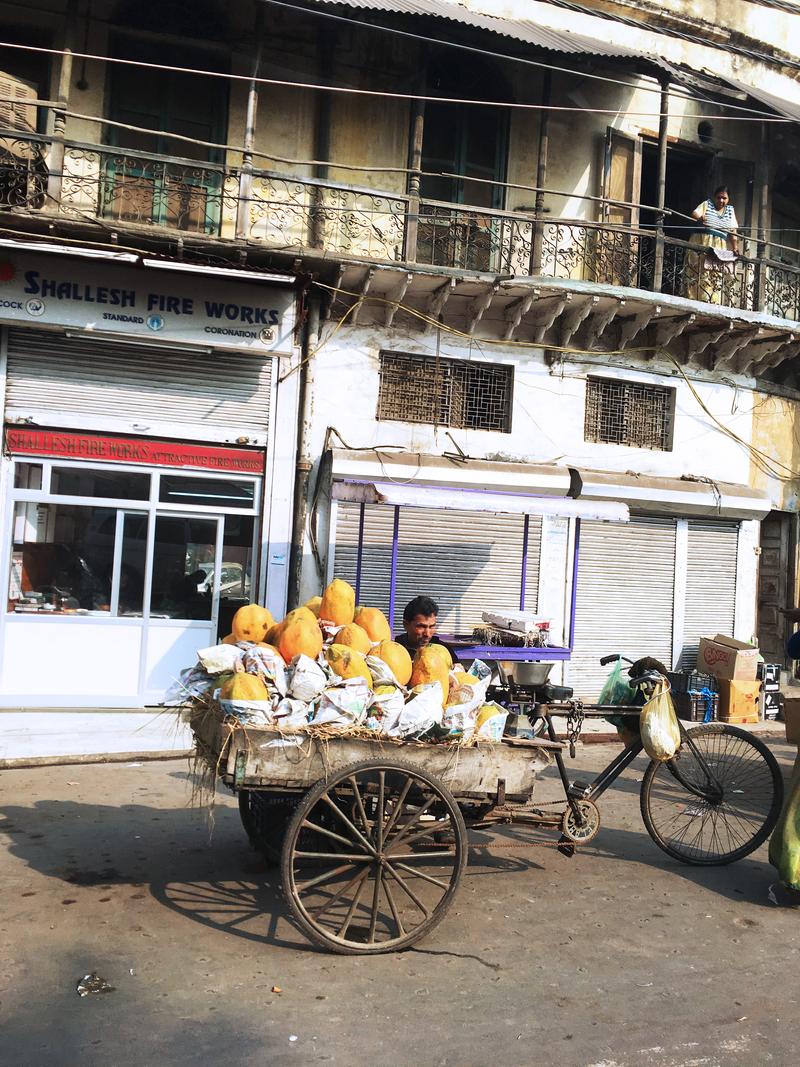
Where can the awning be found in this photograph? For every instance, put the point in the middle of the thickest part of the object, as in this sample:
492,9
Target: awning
379,476
398,467
451,499
526,30
682,497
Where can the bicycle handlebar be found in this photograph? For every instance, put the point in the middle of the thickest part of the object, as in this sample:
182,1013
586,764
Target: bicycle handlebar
605,660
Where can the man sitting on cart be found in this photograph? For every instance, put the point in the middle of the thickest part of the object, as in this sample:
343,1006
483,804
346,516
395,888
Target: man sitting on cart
419,623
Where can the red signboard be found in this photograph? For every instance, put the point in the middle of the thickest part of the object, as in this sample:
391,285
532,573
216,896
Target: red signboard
132,450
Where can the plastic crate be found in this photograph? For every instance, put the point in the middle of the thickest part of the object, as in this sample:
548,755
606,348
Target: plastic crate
686,681
692,706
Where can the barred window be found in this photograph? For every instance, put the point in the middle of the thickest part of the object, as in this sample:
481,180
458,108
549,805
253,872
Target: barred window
629,413
445,392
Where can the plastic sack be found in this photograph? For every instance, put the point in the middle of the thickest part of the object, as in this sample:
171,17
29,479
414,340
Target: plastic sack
290,714
784,844
249,712
381,672
423,711
192,682
658,725
459,718
491,722
267,664
343,705
616,689
220,658
387,703
306,679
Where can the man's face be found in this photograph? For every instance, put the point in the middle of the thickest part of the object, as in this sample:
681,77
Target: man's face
420,629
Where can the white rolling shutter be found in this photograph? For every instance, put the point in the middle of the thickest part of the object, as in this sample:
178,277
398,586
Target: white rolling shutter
469,562
626,584
710,584
48,372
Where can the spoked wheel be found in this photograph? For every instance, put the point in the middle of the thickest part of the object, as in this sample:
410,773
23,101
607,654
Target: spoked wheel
372,857
717,800
265,817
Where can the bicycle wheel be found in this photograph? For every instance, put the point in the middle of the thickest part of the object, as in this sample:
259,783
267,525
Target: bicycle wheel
717,800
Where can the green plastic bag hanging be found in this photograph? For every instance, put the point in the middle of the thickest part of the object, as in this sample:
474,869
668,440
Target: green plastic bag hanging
616,689
784,845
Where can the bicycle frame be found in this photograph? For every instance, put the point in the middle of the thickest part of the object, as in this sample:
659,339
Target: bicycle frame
609,774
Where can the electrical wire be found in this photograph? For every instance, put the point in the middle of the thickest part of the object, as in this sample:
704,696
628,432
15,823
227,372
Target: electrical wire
384,95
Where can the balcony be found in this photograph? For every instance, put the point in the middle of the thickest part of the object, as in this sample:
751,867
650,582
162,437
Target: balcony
280,213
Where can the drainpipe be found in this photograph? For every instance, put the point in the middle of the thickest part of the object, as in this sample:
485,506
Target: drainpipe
661,194
305,415
541,177
246,172
763,219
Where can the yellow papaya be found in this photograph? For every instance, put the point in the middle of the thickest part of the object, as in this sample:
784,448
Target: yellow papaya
298,635
348,663
354,637
374,622
251,622
428,667
313,605
461,677
244,687
338,603
441,651
272,634
396,659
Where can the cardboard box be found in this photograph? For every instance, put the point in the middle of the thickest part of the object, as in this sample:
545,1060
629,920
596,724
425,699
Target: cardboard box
725,657
739,700
791,713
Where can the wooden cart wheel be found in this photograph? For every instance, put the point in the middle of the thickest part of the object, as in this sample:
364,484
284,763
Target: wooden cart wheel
265,816
372,857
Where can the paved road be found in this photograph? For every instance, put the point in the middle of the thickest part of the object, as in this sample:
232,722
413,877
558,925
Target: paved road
616,958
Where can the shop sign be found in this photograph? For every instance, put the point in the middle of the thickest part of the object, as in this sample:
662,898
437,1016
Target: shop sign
154,304
132,450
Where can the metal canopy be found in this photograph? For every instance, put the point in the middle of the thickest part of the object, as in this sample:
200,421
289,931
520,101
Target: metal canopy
449,498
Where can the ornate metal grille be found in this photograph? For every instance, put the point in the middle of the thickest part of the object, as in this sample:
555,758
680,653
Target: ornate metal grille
629,413
445,392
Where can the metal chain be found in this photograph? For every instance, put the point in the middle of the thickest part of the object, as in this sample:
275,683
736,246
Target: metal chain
574,725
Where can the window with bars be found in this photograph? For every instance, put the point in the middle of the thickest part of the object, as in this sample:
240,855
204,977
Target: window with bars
629,413
445,392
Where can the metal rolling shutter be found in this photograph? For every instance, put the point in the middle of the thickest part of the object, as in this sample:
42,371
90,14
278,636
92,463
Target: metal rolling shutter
626,584
468,562
710,584
50,372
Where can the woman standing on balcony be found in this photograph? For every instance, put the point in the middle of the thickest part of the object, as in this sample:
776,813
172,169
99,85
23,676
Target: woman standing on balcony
704,272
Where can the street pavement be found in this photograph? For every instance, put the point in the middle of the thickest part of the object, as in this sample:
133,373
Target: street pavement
619,957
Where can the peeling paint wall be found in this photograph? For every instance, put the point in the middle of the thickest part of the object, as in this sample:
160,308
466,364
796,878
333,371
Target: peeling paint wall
776,437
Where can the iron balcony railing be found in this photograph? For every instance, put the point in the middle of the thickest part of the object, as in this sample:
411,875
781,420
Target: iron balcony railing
294,213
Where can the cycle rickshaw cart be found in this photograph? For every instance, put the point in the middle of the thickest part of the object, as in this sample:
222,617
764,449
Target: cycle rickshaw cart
371,834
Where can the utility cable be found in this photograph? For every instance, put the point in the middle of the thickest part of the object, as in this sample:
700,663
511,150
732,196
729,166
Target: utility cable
384,95
484,52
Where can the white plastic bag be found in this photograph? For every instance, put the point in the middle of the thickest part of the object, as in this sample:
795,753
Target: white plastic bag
306,679
382,673
343,705
387,703
490,722
423,711
249,712
658,725
219,658
290,714
267,664
192,682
